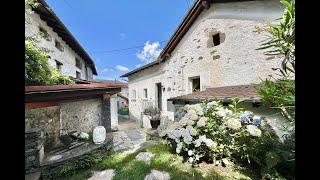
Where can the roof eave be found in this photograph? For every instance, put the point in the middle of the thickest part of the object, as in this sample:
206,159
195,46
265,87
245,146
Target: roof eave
87,57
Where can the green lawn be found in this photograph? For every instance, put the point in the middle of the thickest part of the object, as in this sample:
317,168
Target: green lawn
127,167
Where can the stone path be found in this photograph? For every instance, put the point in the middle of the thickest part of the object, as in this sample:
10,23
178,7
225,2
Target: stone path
131,139
157,175
145,157
102,175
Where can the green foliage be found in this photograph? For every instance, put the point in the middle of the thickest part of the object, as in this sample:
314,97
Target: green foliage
279,94
37,69
281,39
212,133
124,111
151,111
72,167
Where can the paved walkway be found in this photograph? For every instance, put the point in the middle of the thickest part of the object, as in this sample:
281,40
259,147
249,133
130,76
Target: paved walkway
126,123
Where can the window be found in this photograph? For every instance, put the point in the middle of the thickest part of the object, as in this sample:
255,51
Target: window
78,63
216,39
145,93
134,94
87,75
44,34
78,75
195,84
58,65
58,45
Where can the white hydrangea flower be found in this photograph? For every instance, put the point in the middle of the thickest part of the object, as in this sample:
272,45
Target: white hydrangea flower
176,133
228,113
190,152
254,130
190,159
202,122
187,139
190,122
178,150
184,132
197,143
194,117
209,143
191,130
202,138
221,113
191,112
233,123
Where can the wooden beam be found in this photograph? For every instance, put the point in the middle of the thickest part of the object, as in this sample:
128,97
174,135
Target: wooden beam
205,4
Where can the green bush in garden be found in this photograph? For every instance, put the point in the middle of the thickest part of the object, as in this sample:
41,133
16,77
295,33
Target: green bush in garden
209,132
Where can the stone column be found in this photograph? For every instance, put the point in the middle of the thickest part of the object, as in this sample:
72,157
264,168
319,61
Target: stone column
34,150
106,113
114,112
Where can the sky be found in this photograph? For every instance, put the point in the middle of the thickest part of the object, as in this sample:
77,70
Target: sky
121,35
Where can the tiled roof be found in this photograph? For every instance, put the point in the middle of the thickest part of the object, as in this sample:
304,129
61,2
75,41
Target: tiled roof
73,87
227,93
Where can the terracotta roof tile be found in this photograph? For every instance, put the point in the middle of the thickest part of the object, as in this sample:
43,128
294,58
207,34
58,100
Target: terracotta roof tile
244,92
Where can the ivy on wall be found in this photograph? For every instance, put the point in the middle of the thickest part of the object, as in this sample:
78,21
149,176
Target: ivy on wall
38,70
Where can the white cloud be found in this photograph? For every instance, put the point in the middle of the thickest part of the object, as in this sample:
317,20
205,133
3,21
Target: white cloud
121,68
138,65
105,70
150,52
123,36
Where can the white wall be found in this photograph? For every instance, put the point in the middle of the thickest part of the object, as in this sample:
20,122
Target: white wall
67,57
234,62
114,111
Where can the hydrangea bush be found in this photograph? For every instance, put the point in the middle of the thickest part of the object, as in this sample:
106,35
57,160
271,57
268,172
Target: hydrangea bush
210,132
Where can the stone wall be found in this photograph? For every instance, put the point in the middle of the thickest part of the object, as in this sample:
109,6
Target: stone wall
34,149
84,115
48,120
234,62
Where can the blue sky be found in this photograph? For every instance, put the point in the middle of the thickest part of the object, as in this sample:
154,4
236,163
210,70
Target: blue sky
103,27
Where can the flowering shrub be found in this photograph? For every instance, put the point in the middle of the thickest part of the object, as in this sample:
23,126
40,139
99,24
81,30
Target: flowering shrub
210,132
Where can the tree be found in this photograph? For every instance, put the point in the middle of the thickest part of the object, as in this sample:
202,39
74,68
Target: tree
280,93
281,39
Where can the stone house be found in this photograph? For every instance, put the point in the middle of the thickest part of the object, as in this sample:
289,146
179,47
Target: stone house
213,47
65,52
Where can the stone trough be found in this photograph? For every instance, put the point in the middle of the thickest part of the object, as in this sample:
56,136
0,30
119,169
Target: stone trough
78,148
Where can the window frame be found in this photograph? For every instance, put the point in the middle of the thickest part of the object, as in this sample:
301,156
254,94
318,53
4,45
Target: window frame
44,33
58,65
77,72
78,65
134,94
58,45
145,93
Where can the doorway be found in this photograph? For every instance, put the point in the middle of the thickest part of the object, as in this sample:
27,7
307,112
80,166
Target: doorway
159,96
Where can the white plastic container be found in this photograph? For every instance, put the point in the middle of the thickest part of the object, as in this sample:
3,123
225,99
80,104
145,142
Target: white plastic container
99,134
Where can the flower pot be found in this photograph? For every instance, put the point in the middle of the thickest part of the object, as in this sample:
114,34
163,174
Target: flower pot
154,124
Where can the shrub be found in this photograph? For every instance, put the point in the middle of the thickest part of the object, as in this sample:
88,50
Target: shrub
124,111
212,133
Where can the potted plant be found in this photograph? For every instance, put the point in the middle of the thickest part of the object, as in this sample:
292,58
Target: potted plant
154,116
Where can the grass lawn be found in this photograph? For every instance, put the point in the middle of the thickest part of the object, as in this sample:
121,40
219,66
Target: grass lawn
126,167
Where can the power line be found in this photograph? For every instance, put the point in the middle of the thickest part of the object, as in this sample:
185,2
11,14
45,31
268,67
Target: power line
123,49
68,4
